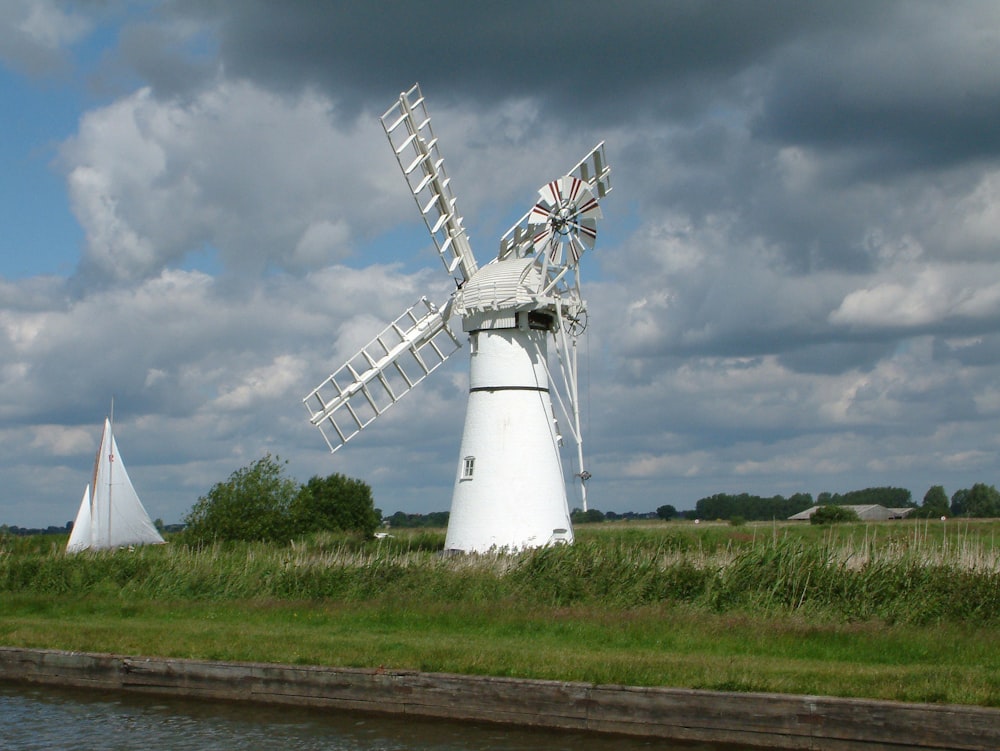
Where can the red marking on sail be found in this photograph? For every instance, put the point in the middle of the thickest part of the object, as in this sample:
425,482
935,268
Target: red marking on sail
540,211
574,190
588,207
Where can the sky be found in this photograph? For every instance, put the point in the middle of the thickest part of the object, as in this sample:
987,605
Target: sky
795,285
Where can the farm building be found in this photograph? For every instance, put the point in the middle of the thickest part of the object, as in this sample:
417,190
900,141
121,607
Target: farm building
868,513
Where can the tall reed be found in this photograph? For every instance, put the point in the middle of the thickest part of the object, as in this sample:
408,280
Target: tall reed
910,574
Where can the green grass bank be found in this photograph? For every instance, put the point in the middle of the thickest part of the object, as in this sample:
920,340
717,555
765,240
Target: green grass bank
899,610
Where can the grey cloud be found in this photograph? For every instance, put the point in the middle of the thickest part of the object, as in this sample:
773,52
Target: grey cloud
836,357
34,36
637,59
919,92
971,350
169,58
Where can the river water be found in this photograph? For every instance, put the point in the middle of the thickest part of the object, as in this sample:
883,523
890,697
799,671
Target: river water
36,718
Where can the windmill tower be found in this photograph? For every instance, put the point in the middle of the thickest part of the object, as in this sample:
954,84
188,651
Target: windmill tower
510,491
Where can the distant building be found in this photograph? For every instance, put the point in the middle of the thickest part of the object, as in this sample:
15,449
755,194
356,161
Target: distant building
868,513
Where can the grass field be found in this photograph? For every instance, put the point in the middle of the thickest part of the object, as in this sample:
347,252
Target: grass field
900,610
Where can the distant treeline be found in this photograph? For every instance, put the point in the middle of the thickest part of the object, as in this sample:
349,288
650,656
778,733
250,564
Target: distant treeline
579,516
888,497
756,508
17,531
402,520
751,507
980,500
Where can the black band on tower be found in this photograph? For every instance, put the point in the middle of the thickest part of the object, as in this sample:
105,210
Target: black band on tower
509,388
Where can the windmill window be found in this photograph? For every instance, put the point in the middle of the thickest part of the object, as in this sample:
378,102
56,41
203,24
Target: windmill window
468,467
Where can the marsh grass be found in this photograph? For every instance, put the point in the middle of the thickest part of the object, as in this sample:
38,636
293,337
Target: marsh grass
904,611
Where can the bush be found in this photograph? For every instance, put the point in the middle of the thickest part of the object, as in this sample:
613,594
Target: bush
259,504
253,505
833,514
982,501
590,516
327,504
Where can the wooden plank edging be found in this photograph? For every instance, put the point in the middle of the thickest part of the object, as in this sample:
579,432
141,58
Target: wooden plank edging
775,721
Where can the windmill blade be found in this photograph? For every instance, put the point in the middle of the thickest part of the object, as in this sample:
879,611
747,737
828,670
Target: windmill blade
593,169
565,216
389,366
595,174
408,128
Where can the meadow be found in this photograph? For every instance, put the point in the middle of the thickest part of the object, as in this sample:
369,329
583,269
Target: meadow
905,610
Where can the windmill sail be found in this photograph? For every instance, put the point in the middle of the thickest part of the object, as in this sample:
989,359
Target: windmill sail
408,127
112,516
391,364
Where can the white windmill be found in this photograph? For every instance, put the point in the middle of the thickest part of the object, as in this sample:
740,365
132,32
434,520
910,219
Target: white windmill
510,492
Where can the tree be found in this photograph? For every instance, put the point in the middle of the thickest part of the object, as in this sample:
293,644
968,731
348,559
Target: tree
666,511
958,502
833,514
883,496
332,503
578,516
434,519
982,501
935,502
751,507
252,504
805,500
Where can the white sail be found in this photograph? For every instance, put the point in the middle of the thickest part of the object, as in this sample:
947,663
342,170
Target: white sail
116,516
79,538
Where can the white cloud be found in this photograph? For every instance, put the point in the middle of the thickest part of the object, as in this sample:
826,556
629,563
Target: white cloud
322,242
264,180
971,225
926,296
279,379
58,440
49,26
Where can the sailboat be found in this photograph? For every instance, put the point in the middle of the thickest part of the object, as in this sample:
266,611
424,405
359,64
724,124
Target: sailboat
111,514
